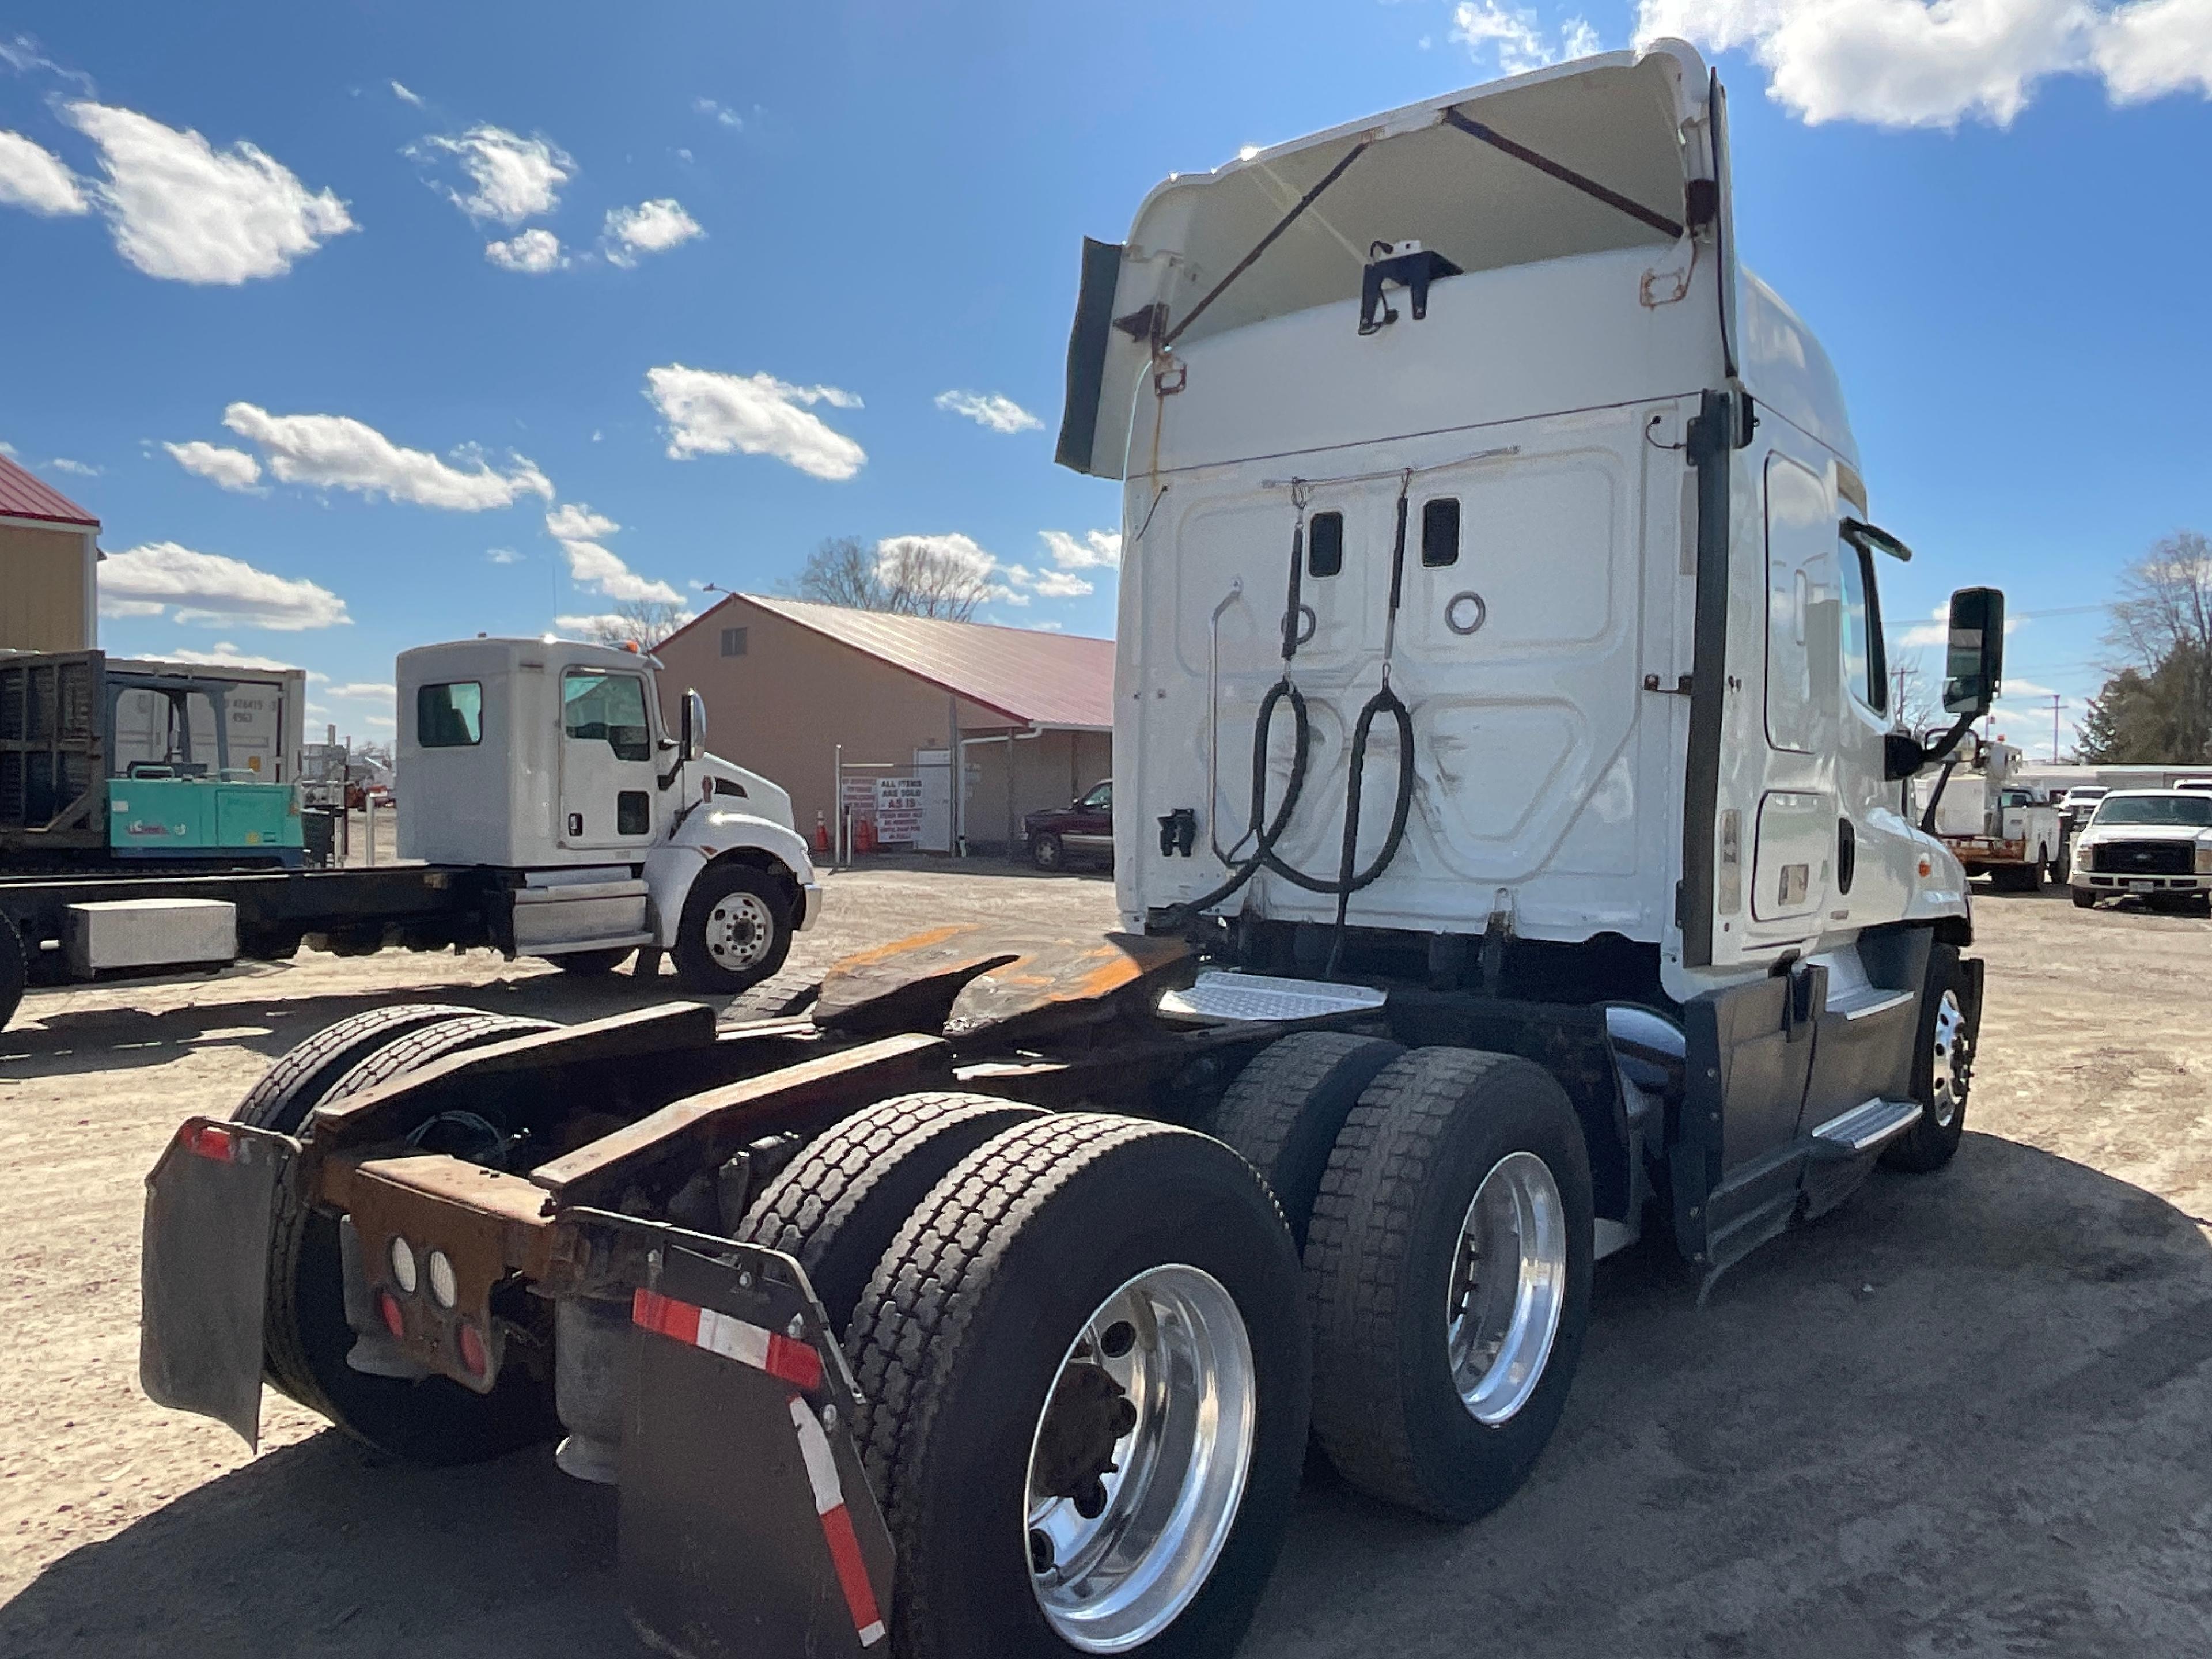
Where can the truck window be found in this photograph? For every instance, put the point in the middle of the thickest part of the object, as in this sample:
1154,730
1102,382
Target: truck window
608,708
1866,665
449,716
1325,544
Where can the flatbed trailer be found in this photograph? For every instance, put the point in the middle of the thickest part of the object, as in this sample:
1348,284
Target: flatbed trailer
350,911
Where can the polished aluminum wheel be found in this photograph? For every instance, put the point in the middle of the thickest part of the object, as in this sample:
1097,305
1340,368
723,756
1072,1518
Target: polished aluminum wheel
1509,1286
1138,1463
1947,1061
739,931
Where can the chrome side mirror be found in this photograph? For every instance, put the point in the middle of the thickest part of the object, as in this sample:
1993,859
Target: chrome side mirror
693,741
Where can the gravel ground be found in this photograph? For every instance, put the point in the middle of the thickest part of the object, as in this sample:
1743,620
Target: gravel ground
1966,1415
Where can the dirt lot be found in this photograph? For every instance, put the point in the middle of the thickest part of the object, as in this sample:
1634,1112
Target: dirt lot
1967,1414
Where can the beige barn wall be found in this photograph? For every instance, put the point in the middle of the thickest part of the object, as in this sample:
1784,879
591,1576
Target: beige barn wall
783,707
42,590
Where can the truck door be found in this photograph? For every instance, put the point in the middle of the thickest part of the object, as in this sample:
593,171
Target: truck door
1875,848
1793,859
607,777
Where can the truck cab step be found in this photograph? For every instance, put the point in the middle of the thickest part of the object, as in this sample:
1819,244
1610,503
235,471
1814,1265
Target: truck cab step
1227,998
1863,1129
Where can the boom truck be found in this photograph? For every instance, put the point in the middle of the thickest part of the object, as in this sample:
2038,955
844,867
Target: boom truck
1993,821
1511,860
551,812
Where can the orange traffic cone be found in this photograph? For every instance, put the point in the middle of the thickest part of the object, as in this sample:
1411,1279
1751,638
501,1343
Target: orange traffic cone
820,834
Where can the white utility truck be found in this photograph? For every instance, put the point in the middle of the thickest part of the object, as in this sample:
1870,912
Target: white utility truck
1996,825
1512,856
549,811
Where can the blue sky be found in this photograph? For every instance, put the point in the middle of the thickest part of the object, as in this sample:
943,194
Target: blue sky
467,318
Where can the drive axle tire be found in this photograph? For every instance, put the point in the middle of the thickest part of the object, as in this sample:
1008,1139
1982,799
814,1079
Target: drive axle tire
1942,1071
1285,1108
288,1090
1085,1299
1450,1267
14,971
432,1421
838,1205
735,931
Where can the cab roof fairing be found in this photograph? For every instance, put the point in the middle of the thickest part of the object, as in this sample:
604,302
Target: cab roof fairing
1634,122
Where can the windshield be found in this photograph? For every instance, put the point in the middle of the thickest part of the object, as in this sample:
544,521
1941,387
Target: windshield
2195,812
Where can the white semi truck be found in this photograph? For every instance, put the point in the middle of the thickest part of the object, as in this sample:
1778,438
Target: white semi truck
550,812
1511,861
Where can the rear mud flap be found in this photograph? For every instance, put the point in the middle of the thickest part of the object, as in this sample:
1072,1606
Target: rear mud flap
747,1526
203,1273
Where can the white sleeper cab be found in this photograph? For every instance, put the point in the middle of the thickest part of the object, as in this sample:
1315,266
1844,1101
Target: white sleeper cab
549,759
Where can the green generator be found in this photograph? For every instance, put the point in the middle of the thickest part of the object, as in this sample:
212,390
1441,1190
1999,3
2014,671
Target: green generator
103,760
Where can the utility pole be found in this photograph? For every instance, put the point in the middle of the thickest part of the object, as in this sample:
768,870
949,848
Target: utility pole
2054,727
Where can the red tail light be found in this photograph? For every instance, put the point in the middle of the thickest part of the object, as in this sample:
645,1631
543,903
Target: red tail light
473,1350
387,1308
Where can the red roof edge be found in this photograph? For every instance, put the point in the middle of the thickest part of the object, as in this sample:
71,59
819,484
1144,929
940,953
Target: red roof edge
23,495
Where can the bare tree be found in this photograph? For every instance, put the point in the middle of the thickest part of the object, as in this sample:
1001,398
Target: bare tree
643,623
907,575
2156,704
1912,693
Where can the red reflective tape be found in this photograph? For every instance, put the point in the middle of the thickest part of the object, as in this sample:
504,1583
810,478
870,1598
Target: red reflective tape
794,1363
852,1574
665,1316
208,1140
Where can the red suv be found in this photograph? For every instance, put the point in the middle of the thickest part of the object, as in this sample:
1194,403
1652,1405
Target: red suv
1084,830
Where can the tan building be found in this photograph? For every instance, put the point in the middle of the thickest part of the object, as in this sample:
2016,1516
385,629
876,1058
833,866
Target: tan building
791,686
49,567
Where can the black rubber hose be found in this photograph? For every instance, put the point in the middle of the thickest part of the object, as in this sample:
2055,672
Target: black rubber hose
1247,868
1346,882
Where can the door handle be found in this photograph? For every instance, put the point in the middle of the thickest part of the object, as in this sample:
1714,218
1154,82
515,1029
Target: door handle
1679,688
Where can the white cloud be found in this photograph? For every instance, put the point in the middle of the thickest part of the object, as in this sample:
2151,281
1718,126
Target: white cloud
1936,631
1098,549
989,409
589,627
31,177
163,577
722,114
406,96
1048,627
2156,46
649,227
1935,63
234,469
503,556
1517,36
579,531
535,251
511,178
963,554
336,451
573,521
714,414
178,208
63,463
1060,585
362,691
227,656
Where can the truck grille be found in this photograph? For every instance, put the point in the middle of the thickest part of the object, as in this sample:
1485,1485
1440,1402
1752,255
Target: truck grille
2144,858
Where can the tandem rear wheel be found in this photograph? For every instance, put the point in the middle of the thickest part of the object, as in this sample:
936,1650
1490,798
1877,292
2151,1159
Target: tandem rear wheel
1443,1198
307,1337
1085,1372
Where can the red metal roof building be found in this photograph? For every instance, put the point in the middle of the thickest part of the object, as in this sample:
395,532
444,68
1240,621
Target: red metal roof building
49,567
790,686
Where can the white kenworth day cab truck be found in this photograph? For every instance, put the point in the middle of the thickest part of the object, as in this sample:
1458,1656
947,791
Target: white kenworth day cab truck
546,812
1513,859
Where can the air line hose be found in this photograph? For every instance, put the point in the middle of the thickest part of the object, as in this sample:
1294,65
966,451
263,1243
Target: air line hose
1268,831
